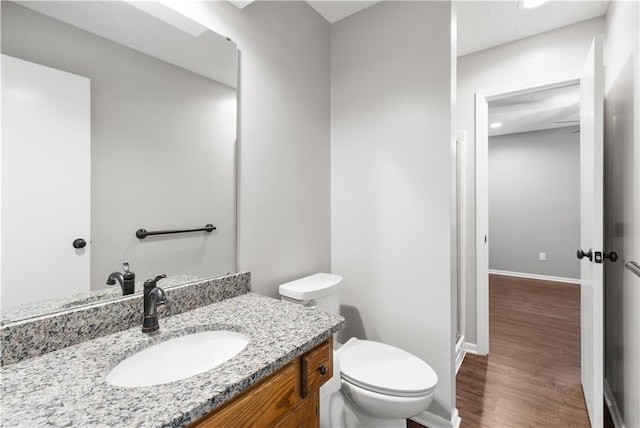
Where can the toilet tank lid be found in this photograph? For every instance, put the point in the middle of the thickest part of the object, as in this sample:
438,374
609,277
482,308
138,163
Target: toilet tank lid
311,287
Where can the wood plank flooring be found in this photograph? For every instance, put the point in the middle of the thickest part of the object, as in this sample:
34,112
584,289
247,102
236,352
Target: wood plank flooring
531,377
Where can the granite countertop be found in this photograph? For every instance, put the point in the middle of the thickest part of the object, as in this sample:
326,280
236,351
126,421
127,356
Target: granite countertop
48,306
67,387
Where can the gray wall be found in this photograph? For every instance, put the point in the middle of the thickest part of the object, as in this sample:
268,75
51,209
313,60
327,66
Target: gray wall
534,202
391,191
546,55
284,222
622,207
162,147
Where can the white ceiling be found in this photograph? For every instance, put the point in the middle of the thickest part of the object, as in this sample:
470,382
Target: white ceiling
531,111
483,23
334,10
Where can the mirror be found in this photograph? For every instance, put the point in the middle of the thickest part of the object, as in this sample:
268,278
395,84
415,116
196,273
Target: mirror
116,116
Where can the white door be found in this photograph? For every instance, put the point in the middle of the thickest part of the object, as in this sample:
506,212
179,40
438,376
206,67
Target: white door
591,231
46,182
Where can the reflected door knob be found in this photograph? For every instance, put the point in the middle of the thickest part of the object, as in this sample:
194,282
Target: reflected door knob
589,254
79,243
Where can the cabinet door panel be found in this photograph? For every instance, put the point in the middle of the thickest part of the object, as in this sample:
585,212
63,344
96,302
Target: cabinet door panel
305,415
261,405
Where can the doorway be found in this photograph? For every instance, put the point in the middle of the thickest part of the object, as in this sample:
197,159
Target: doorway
483,99
591,80
534,184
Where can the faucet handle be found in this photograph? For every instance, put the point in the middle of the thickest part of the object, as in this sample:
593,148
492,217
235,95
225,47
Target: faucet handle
125,267
149,284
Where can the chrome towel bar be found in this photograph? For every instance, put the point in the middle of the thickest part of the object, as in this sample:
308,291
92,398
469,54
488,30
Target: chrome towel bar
633,267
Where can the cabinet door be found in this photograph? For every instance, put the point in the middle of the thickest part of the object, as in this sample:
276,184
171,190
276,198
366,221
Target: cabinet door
46,182
305,415
262,405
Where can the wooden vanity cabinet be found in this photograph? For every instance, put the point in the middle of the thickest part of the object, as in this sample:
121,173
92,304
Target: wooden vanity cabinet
288,398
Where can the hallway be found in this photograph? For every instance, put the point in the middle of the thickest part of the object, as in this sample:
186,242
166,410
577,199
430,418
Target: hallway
532,375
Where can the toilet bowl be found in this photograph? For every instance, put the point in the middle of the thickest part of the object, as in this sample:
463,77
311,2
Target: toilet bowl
374,384
385,381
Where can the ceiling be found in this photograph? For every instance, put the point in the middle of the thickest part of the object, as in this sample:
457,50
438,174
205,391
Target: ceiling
334,11
483,23
531,111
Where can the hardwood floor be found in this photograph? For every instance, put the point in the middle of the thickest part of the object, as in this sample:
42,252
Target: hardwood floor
531,377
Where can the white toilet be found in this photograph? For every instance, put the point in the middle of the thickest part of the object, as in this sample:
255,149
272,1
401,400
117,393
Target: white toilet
374,385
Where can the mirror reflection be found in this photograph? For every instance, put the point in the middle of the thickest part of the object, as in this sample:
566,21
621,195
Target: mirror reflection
116,116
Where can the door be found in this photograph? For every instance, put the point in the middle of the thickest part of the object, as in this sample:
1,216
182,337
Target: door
591,232
45,206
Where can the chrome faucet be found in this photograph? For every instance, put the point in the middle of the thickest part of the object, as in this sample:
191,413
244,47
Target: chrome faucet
154,296
127,279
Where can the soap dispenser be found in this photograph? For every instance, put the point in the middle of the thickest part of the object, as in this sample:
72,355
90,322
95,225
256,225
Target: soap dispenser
127,279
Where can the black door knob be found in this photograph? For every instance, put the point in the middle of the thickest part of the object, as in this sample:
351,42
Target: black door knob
613,256
79,243
589,254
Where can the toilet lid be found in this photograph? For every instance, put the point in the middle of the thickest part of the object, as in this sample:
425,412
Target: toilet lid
386,369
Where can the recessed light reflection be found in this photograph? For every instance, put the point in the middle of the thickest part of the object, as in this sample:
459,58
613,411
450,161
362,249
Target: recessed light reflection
530,4
495,125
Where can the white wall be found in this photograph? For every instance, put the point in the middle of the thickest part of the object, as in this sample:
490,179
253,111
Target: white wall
543,56
391,104
534,202
284,175
622,207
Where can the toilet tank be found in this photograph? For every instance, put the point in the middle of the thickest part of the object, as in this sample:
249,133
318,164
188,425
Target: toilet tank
321,289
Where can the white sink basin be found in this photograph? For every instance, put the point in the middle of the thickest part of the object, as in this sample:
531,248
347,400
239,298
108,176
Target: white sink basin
178,358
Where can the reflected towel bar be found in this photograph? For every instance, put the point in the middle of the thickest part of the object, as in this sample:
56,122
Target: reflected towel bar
143,233
633,267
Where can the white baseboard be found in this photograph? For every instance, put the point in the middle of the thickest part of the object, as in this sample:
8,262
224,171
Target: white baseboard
470,348
431,420
535,276
610,399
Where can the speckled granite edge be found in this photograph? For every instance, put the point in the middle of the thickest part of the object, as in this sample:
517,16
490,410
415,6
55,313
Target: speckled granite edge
36,336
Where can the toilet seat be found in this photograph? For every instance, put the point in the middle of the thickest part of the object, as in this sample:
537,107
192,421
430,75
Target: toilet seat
385,369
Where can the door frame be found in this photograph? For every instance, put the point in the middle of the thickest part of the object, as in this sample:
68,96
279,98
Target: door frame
482,189
462,239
